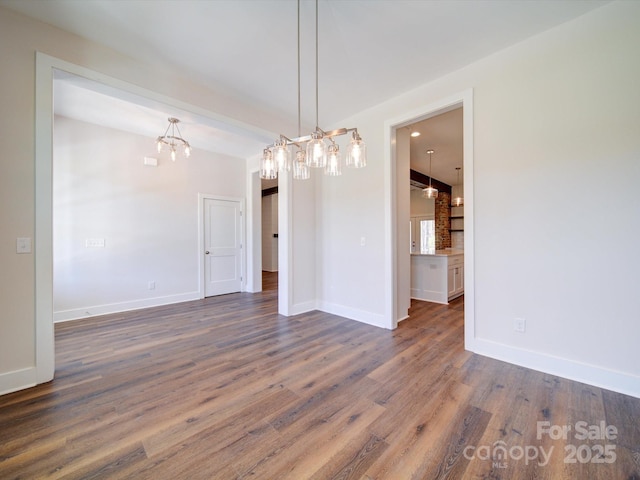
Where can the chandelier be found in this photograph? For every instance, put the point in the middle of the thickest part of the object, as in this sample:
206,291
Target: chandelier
430,192
170,138
316,150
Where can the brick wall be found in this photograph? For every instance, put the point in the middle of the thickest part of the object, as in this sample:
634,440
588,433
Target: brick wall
443,222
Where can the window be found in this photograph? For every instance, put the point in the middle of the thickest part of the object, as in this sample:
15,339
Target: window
422,235
427,236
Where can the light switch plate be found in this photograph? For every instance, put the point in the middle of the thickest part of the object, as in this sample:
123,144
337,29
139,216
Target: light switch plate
23,245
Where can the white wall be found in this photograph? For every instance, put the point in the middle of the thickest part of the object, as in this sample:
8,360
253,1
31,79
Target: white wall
147,217
350,208
555,118
302,246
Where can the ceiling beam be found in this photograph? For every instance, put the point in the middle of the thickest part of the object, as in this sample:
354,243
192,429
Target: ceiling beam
422,180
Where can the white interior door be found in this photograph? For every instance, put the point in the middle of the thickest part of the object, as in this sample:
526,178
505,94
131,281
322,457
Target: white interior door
223,246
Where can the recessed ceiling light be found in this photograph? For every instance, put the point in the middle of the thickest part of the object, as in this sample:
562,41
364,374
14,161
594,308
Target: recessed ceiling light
415,134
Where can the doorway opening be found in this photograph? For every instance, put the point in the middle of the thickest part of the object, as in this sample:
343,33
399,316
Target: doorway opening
400,160
46,68
436,248
270,234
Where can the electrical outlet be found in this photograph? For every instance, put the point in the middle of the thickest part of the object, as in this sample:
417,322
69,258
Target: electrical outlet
152,285
520,325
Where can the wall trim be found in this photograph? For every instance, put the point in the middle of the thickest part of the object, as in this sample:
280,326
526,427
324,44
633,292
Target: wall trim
303,307
91,311
253,224
18,380
370,318
285,250
570,369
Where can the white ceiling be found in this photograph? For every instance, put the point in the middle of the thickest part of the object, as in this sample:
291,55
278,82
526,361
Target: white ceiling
369,50
89,101
443,135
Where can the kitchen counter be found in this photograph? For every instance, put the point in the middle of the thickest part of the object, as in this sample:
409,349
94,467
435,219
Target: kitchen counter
447,252
437,276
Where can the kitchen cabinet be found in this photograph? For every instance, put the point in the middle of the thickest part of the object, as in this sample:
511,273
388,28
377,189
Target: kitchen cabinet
455,277
437,277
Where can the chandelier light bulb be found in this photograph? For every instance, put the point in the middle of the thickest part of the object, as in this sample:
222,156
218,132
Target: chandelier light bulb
281,156
173,153
356,152
301,170
316,151
333,167
268,170
187,151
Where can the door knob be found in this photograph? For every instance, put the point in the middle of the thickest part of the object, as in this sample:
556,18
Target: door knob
207,252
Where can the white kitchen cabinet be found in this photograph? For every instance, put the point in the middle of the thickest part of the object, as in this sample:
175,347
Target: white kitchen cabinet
437,277
455,281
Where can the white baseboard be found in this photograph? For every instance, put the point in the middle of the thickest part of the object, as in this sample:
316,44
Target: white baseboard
303,307
616,381
17,380
90,311
363,316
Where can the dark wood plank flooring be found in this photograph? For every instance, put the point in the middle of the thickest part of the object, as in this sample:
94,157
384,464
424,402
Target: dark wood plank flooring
225,388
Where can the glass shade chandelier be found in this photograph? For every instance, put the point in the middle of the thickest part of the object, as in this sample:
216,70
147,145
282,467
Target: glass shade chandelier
170,138
457,201
316,150
430,192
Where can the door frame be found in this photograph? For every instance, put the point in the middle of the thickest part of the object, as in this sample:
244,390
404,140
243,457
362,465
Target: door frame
202,197
43,369
461,99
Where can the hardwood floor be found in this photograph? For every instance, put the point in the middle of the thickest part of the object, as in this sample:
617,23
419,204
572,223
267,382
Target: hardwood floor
226,388
270,281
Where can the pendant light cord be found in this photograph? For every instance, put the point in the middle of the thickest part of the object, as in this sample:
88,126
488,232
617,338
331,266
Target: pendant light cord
299,126
317,123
